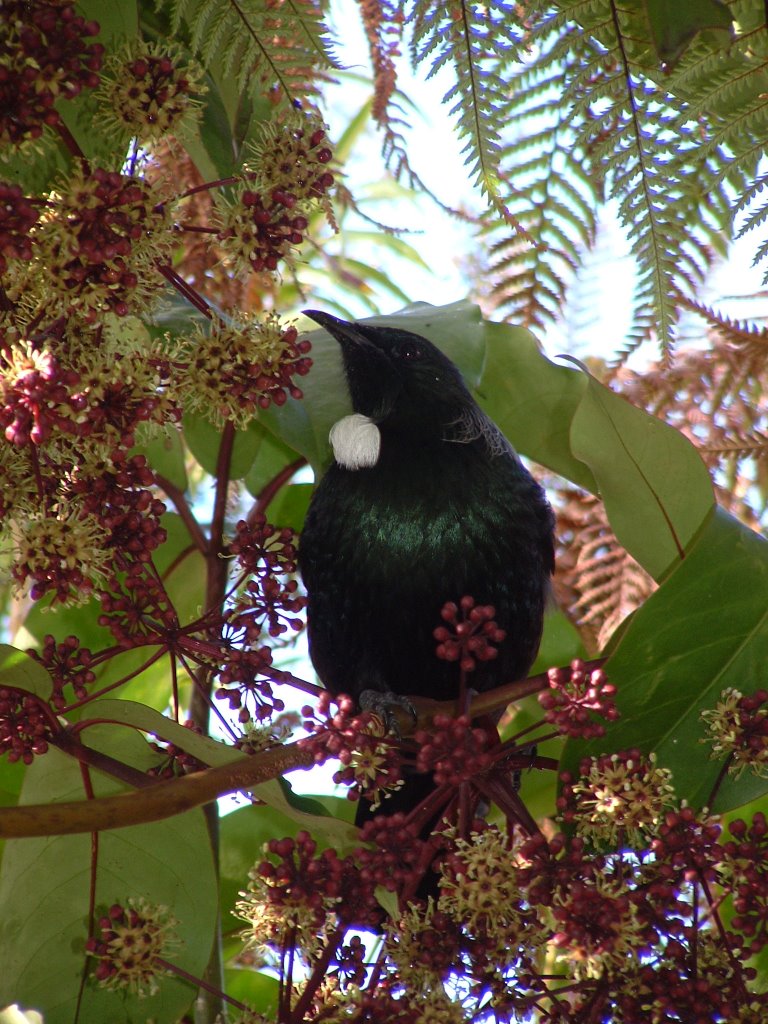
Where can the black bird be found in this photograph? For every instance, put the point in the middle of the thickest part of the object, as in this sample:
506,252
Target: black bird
425,502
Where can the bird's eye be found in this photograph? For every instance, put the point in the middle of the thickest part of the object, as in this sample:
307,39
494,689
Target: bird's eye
409,350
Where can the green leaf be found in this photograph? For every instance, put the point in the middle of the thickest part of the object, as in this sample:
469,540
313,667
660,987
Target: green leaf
260,991
128,712
165,454
18,669
673,26
682,648
532,400
656,489
45,886
117,22
560,643
277,793
290,506
211,149
270,455
204,441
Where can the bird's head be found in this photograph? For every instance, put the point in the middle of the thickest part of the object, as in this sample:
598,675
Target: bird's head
398,379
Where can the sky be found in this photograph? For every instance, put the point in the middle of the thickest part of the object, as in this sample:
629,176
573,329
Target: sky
597,321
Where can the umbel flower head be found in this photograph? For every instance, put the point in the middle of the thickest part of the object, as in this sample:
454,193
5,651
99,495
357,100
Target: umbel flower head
293,155
738,729
264,218
63,555
229,371
96,246
44,57
130,945
619,798
480,888
150,90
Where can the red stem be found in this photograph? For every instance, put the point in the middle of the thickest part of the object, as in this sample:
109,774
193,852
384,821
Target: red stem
120,682
199,982
270,489
72,144
190,294
317,976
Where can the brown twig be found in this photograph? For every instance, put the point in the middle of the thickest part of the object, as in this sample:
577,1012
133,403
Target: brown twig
155,802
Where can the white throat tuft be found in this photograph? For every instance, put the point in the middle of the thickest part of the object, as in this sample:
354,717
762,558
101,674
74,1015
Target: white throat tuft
356,442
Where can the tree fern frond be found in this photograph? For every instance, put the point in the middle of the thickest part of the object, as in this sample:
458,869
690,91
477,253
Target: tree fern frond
281,43
600,583
754,445
477,42
383,23
738,332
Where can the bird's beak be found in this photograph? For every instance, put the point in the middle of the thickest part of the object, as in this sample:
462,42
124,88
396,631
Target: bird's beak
345,333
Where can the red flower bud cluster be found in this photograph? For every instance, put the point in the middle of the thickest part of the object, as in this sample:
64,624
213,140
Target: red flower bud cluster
245,675
267,228
262,548
370,761
549,865
453,750
589,921
575,697
18,215
474,635
351,964
121,499
137,608
396,859
274,379
40,396
263,224
23,726
43,57
747,860
36,396
269,599
687,847
106,232
319,882
68,664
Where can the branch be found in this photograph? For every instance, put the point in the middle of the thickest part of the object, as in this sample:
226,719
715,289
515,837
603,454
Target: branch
154,803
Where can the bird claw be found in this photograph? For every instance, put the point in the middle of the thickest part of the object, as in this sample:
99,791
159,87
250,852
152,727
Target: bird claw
383,704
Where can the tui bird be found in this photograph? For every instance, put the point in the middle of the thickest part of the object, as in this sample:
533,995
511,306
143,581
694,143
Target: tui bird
425,502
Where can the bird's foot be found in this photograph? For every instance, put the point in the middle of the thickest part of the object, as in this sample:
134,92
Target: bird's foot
383,705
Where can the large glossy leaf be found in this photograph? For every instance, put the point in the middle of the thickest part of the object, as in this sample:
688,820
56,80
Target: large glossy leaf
271,454
18,669
204,441
673,26
705,629
656,489
165,454
45,886
532,399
